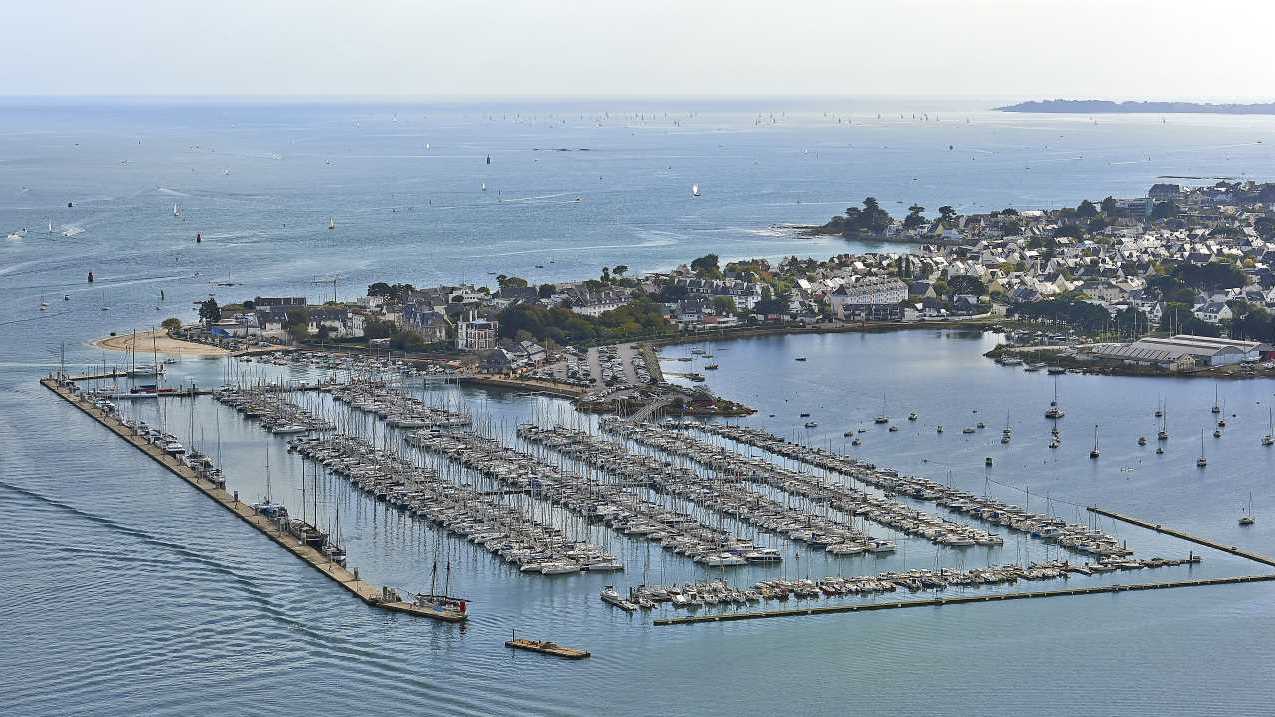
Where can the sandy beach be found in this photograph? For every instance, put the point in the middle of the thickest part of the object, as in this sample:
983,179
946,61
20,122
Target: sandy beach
158,341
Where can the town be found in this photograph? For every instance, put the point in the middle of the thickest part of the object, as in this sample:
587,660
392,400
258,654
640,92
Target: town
1108,282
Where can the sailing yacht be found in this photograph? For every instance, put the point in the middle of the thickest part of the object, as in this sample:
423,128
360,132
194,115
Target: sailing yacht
331,224
1246,518
1095,452
1269,438
694,190
1055,411
882,418
1201,461
1216,408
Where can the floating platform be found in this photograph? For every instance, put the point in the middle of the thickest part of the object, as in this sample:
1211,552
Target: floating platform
382,597
1157,527
547,648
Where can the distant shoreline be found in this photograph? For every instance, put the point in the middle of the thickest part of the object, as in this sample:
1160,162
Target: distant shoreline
1109,107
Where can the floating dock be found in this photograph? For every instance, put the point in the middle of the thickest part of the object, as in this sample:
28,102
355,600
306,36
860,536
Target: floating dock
962,600
382,597
547,648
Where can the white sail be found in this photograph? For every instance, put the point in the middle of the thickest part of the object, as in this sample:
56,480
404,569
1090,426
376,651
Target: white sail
694,190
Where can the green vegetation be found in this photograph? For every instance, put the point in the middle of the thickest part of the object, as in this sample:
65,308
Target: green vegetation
870,220
393,292
209,311
706,267
641,318
1080,315
171,324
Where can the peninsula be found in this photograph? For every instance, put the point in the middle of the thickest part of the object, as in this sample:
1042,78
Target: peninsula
1131,107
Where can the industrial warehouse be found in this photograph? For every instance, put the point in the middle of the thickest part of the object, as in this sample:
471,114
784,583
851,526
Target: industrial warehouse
1181,352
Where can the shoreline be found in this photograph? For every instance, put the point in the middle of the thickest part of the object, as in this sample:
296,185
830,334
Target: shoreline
160,342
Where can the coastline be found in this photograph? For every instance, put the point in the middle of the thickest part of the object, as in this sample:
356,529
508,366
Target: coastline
159,342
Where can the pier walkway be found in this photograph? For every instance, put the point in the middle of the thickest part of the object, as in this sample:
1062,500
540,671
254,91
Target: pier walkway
349,579
962,600
1233,550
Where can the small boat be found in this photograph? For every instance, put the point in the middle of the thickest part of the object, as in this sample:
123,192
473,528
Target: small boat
967,430
811,424
940,428
331,224
694,190
1094,452
611,596
1142,440
912,416
987,461
894,429
800,358
711,367
980,424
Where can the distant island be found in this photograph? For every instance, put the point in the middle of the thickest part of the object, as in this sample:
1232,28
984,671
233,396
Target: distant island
1108,107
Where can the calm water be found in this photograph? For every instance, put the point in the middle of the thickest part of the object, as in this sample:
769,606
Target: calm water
123,591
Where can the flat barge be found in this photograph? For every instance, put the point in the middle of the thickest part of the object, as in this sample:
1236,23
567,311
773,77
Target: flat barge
382,597
547,648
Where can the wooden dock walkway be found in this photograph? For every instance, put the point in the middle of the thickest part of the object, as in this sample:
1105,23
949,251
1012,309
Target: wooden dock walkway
347,578
1157,527
961,600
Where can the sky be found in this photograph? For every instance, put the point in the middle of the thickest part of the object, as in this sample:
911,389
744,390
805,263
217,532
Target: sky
1024,49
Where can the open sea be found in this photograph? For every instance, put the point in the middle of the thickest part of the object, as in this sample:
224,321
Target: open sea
123,591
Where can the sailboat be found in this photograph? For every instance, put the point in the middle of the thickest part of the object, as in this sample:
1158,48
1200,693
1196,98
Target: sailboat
177,211
882,418
484,186
1201,461
1055,411
331,224
1095,452
694,190
1269,438
1216,408
271,510
1246,518
1163,435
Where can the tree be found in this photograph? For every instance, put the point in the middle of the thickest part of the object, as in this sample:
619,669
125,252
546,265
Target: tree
1164,210
1109,207
946,213
706,264
513,282
1086,210
171,324
723,305
298,325
377,329
915,217
619,269
1069,230
966,284
547,290
380,288
209,311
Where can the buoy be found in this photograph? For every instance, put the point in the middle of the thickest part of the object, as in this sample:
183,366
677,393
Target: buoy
90,277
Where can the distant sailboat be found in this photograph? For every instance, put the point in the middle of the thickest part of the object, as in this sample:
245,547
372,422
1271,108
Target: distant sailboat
177,211
1201,461
484,186
1095,452
694,190
331,224
1246,518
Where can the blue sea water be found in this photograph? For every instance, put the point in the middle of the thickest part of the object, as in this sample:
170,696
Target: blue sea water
122,591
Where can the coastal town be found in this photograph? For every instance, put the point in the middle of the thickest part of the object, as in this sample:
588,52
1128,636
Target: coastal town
1180,280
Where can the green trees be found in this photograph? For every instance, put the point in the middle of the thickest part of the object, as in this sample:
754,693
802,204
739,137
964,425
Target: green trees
724,305
1211,276
209,311
966,284
171,324
1164,210
915,217
392,292
512,282
1086,210
706,266
871,219
642,317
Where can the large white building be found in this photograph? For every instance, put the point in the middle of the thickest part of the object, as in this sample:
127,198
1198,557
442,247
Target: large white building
480,335
870,291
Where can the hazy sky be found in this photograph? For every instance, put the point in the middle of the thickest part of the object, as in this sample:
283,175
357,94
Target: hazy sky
1164,49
